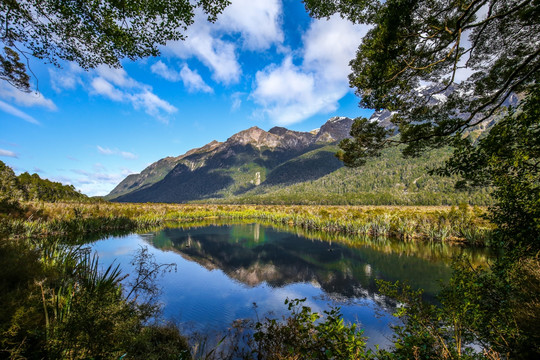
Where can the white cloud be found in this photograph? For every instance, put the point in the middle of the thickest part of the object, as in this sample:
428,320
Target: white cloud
97,182
329,46
8,92
191,78
18,113
105,151
290,93
108,151
8,153
152,104
163,70
257,22
117,76
66,79
217,54
236,100
128,90
193,81
103,87
272,82
128,155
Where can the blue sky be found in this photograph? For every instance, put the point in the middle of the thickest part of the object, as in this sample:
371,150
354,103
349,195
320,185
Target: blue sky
263,63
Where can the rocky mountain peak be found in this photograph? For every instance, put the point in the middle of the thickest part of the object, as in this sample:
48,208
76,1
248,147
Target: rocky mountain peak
254,136
278,130
335,129
283,143
206,148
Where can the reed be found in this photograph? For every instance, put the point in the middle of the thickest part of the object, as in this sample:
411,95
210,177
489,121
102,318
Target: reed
464,224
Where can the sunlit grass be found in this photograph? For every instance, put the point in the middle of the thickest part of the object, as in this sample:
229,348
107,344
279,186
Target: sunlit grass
430,223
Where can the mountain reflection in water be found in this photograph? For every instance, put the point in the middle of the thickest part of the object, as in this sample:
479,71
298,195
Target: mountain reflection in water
253,254
224,268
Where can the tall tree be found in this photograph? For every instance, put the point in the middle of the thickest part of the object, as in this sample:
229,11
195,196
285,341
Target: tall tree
482,50
90,32
473,55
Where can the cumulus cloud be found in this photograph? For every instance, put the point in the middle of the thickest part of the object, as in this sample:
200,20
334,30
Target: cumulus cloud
102,87
152,104
108,151
66,79
290,93
193,81
115,84
191,78
272,82
165,72
8,153
117,76
257,22
217,54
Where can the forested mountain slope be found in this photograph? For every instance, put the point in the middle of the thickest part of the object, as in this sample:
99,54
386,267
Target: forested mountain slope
282,166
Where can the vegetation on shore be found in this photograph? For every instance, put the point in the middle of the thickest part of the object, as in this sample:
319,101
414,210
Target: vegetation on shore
462,224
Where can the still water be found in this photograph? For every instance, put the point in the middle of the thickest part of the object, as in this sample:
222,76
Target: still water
223,270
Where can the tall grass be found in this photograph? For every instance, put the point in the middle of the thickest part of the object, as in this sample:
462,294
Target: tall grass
450,224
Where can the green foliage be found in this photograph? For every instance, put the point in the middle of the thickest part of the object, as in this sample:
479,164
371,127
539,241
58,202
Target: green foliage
162,342
305,335
38,189
13,70
91,32
31,187
367,133
420,42
388,180
10,192
482,315
508,159
57,303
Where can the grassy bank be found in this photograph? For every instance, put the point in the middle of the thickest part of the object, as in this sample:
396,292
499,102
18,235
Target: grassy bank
449,224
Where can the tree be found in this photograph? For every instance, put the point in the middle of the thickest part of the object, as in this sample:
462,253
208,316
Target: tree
90,33
10,192
473,55
415,43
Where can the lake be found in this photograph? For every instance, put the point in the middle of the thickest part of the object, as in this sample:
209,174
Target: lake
224,269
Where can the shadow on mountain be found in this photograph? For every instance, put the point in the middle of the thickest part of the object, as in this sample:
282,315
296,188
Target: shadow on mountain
180,185
309,167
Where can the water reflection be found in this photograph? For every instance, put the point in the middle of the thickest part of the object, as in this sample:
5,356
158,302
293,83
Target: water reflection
224,268
344,267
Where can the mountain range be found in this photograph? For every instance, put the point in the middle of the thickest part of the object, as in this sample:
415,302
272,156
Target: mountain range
282,166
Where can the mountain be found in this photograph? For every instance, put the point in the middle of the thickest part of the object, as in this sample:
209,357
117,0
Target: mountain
281,166
245,160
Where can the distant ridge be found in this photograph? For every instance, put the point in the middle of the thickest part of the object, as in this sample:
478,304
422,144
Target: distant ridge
282,166
209,171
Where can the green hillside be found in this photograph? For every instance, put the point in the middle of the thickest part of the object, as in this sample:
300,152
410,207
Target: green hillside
287,167
388,180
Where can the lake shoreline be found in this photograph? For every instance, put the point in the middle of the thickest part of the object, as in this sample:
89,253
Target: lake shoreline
462,225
